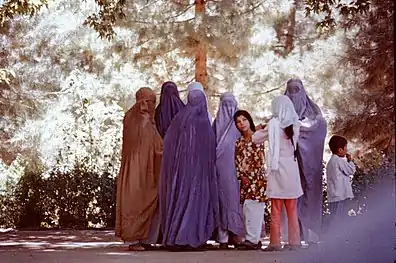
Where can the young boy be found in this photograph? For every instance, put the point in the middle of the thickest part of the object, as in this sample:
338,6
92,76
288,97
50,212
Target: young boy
339,174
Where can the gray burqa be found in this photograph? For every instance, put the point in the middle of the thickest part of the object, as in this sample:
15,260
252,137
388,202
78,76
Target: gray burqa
310,148
226,136
188,184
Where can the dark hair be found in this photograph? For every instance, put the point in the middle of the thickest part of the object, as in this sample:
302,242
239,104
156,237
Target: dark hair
289,131
247,116
337,142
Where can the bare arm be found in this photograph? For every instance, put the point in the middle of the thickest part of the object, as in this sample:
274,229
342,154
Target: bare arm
260,136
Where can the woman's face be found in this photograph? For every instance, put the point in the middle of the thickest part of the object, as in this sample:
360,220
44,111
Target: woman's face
242,124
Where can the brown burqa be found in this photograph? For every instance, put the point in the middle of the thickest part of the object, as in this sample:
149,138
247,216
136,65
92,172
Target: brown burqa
137,195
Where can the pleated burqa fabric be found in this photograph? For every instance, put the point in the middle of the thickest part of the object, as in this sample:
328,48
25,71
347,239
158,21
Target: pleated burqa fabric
137,193
226,136
170,104
188,190
310,148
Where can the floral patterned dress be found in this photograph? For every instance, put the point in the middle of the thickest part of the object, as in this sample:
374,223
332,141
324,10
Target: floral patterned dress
249,163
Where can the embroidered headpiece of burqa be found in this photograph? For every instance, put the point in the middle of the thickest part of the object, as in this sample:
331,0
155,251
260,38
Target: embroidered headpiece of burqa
137,195
198,86
310,149
188,190
170,104
226,136
303,105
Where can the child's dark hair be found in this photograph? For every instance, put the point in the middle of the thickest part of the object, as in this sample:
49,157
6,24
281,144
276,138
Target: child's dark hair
247,116
337,142
289,132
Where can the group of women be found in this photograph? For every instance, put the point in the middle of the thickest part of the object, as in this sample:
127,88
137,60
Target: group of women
184,179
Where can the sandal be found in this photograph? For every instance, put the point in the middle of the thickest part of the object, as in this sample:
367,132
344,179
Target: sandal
136,247
247,245
289,247
149,247
272,249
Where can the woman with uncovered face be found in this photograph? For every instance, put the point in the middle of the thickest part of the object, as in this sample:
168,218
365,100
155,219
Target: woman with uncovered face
249,163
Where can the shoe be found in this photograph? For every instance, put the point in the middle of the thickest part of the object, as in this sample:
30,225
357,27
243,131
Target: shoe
272,249
247,245
223,246
289,247
149,247
136,247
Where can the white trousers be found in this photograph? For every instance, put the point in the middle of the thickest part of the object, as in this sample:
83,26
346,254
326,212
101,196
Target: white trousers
253,216
222,236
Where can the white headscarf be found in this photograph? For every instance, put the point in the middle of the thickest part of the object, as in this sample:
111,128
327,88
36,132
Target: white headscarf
283,115
198,86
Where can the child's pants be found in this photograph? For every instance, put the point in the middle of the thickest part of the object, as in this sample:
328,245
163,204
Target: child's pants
337,211
253,216
293,227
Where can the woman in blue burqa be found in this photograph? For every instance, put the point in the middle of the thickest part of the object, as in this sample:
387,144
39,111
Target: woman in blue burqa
170,104
198,86
226,135
188,185
310,154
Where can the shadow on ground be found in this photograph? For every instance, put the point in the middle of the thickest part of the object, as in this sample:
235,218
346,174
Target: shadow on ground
65,239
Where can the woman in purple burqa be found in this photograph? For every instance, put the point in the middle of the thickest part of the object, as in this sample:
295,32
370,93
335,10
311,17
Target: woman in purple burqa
170,104
226,136
188,184
310,148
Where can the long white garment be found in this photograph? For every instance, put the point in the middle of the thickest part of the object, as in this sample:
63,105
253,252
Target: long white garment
198,86
283,180
253,213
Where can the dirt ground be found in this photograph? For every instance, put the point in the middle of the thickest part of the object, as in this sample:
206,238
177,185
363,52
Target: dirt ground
370,238
101,246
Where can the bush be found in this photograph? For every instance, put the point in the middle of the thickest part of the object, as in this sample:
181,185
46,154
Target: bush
82,199
77,199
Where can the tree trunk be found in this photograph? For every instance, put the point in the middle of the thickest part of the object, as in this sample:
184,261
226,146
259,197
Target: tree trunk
200,55
289,45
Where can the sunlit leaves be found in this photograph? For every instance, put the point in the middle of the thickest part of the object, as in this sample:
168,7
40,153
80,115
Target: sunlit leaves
11,8
327,7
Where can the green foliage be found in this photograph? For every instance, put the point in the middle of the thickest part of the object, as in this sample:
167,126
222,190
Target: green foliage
366,113
66,199
327,7
104,21
11,8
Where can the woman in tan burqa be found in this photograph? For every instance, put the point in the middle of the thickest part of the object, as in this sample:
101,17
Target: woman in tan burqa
137,196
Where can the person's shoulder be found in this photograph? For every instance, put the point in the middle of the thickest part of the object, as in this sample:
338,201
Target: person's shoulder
272,120
333,159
